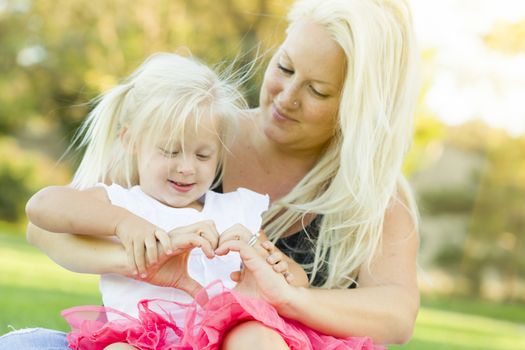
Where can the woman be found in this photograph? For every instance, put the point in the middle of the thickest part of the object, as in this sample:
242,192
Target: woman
326,144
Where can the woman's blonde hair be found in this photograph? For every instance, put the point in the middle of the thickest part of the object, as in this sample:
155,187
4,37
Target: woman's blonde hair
163,97
359,175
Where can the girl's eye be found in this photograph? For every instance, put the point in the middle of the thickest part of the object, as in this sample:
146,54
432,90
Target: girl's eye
203,156
169,154
284,69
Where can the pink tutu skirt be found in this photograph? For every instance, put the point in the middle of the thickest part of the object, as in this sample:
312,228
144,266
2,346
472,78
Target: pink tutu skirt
207,322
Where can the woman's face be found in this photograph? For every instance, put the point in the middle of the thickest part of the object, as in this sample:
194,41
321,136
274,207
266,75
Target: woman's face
301,89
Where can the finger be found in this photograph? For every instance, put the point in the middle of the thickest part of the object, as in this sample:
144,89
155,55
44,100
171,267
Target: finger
254,263
247,253
209,235
164,239
193,288
269,246
289,277
151,250
131,258
235,276
236,232
275,258
281,267
138,252
185,242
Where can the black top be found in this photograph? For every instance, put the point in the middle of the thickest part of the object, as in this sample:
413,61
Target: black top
300,246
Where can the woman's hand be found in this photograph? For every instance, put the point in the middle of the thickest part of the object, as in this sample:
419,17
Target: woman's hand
269,252
235,233
258,277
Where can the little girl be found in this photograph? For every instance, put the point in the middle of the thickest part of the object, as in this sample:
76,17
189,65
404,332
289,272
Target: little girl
155,144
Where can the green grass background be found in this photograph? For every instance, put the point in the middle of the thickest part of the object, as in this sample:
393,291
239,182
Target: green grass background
33,290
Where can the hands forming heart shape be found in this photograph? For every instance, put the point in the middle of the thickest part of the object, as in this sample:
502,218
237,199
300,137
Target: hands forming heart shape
265,274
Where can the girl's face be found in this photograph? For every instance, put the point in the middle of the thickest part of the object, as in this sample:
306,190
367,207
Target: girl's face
178,177
300,94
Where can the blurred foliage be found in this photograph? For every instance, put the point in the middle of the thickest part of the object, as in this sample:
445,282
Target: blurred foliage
497,230
21,174
427,129
448,200
507,37
50,62
495,206
56,55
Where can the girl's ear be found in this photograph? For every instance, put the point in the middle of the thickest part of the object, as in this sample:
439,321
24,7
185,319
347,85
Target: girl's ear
125,139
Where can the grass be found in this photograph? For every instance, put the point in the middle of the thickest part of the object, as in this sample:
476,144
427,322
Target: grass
33,290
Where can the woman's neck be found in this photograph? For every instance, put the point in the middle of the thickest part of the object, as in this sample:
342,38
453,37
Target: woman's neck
259,164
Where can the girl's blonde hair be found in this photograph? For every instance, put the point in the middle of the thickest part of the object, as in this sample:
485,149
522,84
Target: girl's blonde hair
167,94
359,175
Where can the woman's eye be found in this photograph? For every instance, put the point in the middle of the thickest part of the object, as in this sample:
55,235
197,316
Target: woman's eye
317,93
284,69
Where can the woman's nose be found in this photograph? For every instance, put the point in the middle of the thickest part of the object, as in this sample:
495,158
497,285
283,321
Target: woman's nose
288,98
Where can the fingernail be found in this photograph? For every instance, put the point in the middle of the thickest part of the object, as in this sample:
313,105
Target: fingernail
143,275
266,244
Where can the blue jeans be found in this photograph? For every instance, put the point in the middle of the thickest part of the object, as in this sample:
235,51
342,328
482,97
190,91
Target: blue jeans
34,339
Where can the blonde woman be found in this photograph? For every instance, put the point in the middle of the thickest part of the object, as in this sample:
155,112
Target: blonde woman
327,144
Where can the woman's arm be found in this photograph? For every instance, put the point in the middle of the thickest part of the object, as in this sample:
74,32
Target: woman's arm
384,306
83,254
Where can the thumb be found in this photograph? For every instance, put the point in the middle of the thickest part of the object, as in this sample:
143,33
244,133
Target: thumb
193,288
236,276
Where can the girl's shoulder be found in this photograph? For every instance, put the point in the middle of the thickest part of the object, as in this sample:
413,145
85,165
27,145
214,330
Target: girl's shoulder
241,196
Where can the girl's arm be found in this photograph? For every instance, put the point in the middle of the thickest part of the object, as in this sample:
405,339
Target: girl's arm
64,209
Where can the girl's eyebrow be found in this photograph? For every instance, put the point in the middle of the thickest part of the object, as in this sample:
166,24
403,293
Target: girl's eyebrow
314,80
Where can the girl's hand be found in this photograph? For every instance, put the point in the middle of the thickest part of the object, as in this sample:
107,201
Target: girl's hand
258,277
172,271
139,238
206,230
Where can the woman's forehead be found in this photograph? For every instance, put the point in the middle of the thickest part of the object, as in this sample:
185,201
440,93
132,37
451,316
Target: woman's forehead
311,48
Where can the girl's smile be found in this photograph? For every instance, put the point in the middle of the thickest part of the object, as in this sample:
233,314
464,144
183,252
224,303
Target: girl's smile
178,175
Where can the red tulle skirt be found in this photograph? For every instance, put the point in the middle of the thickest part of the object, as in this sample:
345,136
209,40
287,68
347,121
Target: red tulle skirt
207,321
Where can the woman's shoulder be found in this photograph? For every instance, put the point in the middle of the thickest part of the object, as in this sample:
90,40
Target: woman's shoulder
401,220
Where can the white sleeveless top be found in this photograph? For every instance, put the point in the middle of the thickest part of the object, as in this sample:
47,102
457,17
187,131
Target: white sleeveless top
225,209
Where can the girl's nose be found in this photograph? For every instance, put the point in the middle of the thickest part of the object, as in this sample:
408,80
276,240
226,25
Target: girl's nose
185,166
